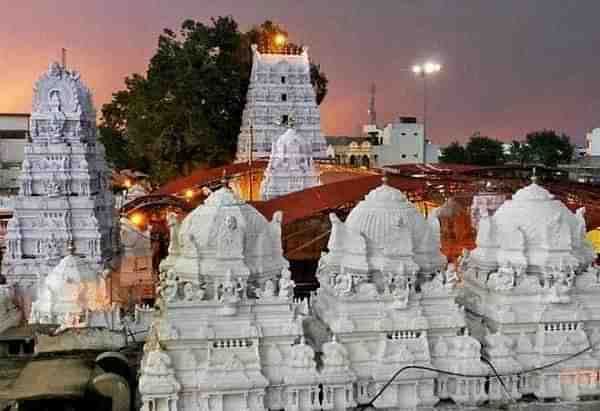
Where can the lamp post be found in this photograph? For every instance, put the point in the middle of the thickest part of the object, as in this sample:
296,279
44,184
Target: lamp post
425,70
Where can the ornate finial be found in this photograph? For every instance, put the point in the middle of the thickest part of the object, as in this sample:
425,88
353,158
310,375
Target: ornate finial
225,180
384,178
534,177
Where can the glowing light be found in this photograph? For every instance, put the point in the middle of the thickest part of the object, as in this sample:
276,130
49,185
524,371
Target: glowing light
189,194
427,68
280,39
137,218
127,183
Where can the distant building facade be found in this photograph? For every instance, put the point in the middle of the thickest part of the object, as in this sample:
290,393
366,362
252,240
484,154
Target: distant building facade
592,140
586,168
400,142
14,130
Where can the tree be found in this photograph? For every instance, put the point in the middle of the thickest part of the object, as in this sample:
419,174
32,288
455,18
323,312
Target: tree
453,154
520,152
548,148
186,111
484,151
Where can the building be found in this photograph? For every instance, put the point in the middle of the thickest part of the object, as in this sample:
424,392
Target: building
592,142
351,151
14,132
291,166
279,88
64,186
402,142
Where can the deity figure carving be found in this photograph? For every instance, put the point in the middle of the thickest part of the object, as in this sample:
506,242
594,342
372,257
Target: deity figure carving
463,261
286,284
344,284
268,291
451,276
503,279
53,246
401,293
169,286
435,284
173,225
230,241
54,187
57,117
227,291
188,292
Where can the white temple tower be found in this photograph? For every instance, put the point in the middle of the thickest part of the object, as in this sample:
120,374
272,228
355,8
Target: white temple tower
280,88
65,194
291,167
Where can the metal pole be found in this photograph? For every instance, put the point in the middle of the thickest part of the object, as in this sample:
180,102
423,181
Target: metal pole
424,117
250,157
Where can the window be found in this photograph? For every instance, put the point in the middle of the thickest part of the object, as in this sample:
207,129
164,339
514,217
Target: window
282,79
284,119
283,97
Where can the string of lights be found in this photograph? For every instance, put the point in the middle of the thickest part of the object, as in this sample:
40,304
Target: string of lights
369,405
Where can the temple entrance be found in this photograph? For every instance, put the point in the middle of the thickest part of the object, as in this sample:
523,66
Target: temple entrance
365,161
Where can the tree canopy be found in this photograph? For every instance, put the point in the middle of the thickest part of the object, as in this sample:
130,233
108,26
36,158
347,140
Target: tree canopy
186,111
453,154
549,148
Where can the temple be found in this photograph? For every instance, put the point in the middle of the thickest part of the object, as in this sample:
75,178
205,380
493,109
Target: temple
280,88
230,336
531,289
64,194
291,167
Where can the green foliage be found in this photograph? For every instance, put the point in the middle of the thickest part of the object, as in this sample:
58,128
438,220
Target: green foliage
520,153
453,154
186,111
549,148
484,151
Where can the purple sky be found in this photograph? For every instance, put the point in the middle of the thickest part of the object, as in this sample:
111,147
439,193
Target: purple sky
509,66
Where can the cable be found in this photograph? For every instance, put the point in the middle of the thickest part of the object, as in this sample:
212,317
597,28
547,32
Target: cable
456,374
488,362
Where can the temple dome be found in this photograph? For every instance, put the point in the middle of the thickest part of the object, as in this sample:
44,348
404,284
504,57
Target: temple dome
534,228
382,209
226,233
71,288
391,228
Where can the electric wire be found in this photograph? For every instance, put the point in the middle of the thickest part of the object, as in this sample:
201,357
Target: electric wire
457,374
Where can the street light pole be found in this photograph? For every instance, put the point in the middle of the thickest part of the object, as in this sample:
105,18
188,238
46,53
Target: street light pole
423,71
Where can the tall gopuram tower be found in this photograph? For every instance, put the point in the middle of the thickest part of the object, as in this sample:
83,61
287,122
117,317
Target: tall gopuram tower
64,193
280,88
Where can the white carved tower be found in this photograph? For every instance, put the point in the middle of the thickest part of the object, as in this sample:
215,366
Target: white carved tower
291,167
279,88
65,193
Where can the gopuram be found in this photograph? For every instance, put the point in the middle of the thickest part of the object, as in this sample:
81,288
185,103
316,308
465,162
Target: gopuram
64,195
532,293
291,166
279,89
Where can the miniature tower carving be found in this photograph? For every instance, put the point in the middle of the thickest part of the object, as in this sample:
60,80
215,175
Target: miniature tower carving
64,193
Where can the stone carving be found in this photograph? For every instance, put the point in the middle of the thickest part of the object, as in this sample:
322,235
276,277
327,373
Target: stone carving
265,106
158,384
335,356
344,284
302,355
504,279
168,287
63,134
173,225
190,294
286,284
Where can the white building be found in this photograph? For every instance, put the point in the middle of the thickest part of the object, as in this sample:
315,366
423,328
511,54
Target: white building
279,88
592,140
291,167
403,142
14,131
